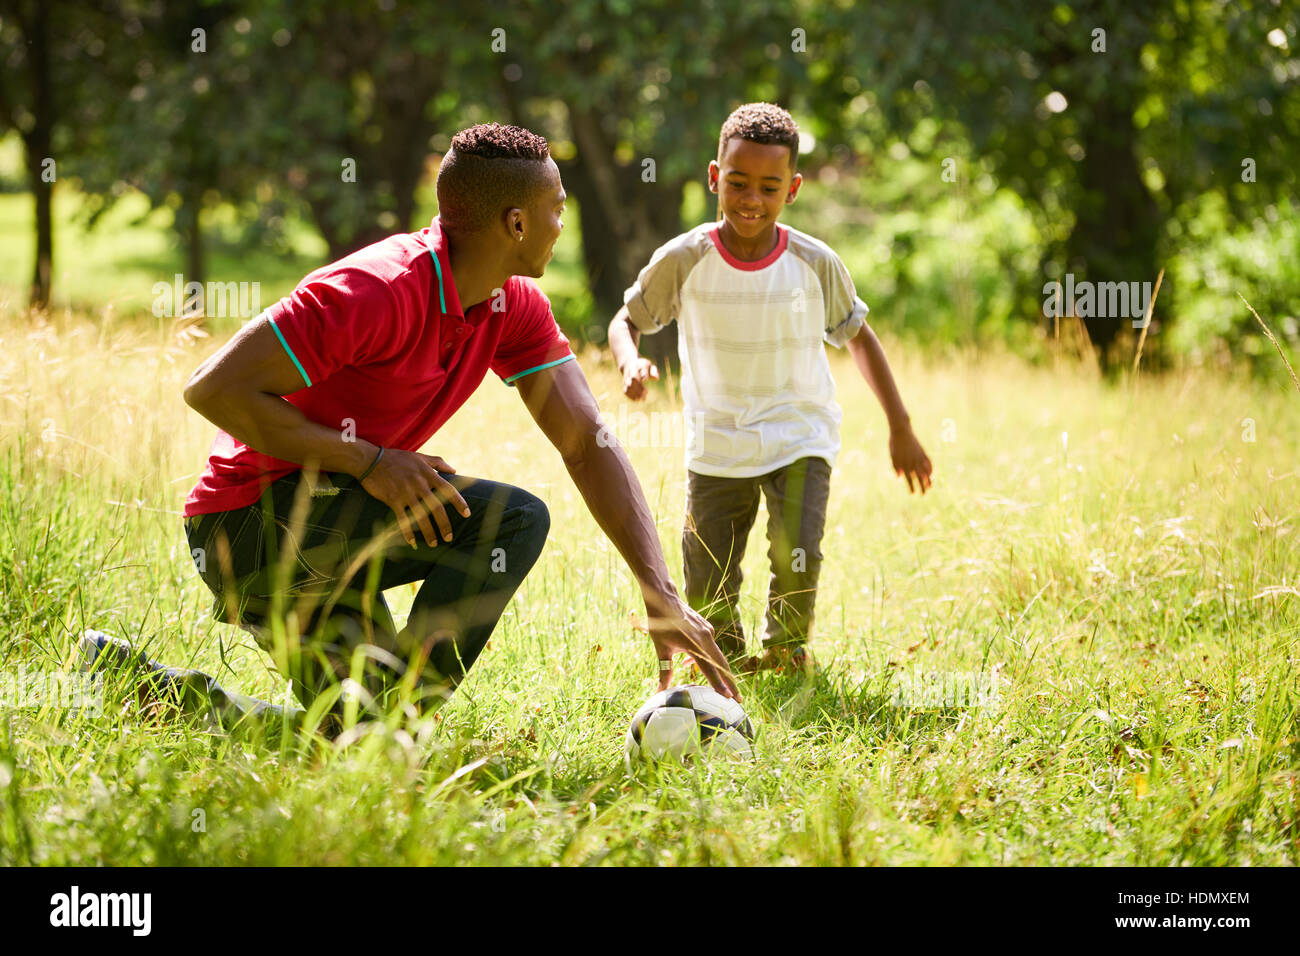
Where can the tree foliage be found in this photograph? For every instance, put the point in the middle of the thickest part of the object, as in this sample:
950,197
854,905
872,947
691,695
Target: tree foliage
1120,126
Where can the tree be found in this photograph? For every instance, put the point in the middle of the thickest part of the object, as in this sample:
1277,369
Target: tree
32,52
165,116
1106,116
358,92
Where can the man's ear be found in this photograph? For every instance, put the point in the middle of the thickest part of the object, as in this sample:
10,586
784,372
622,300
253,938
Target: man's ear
714,169
794,188
516,222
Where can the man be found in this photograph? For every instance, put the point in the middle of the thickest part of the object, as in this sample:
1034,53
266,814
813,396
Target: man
316,498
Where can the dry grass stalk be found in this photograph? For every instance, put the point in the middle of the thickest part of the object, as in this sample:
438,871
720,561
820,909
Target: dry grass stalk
1276,344
1146,321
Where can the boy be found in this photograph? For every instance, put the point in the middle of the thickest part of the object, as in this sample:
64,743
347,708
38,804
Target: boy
755,300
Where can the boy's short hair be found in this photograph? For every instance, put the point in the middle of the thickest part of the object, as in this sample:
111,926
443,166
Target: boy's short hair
764,123
489,168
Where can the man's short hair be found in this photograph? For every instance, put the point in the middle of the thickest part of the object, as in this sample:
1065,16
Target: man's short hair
488,169
764,123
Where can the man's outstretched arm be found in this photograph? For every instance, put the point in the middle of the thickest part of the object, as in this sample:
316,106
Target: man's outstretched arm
561,403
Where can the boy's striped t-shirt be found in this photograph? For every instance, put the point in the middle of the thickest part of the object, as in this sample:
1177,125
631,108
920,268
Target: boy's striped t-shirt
756,383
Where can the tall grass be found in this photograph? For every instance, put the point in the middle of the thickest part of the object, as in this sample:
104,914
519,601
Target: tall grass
1122,562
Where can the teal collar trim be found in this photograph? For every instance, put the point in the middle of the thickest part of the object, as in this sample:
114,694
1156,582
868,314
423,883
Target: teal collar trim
437,268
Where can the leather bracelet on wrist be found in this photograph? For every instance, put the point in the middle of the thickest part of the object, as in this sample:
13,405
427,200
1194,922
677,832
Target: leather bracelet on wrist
366,474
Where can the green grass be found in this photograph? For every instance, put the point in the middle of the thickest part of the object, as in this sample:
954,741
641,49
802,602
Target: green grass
1133,588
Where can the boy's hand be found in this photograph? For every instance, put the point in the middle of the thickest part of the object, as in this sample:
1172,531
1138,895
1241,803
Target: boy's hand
909,458
636,375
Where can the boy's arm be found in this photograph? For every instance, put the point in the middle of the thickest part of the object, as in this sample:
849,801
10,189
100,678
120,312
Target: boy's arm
624,337
909,458
655,300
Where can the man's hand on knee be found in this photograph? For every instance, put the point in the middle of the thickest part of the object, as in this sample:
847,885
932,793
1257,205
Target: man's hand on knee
409,482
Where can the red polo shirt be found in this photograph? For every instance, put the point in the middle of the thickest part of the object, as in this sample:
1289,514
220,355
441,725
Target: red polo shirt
384,347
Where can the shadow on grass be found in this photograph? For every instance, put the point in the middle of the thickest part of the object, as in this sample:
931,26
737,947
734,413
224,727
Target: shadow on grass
872,708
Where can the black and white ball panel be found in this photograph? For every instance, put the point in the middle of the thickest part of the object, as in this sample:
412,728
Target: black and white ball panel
683,720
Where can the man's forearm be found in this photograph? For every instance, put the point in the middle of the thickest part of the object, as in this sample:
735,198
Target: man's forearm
274,427
623,339
870,359
605,479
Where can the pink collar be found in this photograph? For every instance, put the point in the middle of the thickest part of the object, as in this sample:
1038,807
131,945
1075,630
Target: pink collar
782,240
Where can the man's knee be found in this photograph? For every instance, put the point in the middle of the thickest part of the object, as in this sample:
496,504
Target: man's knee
534,522
539,514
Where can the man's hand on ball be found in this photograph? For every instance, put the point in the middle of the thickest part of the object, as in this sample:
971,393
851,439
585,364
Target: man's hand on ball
677,628
635,377
409,482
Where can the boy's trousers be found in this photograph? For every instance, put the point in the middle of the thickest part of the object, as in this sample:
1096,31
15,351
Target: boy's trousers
719,515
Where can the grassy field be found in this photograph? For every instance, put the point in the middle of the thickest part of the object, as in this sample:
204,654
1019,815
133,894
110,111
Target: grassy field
1120,563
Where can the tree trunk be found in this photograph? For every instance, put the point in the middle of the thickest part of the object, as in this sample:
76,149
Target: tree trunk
38,296
194,264
37,145
666,220
600,249
189,231
1117,223
624,220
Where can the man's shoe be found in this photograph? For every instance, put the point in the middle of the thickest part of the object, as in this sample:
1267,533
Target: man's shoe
160,692
97,650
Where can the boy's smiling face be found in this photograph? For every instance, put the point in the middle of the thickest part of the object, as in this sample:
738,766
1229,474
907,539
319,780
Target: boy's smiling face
753,181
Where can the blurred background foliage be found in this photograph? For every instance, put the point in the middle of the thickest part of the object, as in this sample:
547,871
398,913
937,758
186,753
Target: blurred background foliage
958,156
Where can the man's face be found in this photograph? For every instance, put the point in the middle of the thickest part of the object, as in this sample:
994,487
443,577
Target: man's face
753,181
543,224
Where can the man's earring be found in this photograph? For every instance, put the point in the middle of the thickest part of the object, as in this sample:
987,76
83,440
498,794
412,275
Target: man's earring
520,238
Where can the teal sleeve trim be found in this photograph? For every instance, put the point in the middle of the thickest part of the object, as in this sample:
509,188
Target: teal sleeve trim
280,335
537,368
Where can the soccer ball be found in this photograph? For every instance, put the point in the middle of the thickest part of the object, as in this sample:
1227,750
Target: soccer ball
682,721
